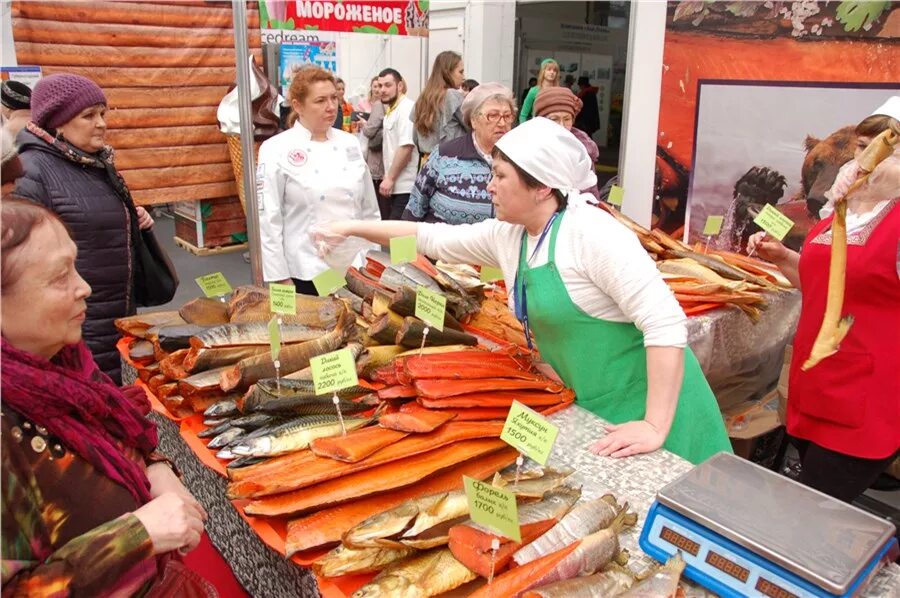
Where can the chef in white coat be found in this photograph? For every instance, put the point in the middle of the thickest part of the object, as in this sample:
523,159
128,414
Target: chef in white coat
310,174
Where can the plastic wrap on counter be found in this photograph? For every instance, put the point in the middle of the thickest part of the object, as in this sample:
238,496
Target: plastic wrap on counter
741,359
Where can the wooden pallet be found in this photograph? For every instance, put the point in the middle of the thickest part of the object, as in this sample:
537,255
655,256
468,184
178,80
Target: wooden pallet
205,251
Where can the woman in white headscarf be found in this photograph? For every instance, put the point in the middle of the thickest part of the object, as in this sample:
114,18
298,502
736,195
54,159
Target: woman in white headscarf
599,310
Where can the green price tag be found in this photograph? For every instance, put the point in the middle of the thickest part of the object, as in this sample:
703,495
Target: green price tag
274,338
616,195
328,282
489,274
430,307
529,432
283,299
774,222
333,371
713,225
214,285
403,249
493,508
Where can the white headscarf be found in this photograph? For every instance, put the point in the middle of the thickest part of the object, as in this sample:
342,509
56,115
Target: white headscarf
552,155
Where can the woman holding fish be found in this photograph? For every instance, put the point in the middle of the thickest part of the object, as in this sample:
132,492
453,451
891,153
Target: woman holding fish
89,507
599,310
844,412
309,174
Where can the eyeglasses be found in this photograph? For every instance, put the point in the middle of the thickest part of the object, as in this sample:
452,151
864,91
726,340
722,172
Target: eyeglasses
494,117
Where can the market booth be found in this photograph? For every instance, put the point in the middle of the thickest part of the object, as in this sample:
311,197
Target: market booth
430,416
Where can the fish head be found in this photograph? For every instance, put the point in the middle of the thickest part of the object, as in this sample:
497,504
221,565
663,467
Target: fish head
253,446
390,586
383,525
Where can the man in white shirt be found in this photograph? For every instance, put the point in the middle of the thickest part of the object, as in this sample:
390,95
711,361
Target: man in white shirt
400,154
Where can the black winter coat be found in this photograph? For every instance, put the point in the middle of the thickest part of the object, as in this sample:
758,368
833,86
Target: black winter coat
100,223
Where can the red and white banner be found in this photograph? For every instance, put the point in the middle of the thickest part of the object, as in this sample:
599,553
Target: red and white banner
381,17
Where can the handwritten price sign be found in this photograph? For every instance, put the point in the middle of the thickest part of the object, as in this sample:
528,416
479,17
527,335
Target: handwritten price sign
283,299
529,432
328,282
333,371
403,249
493,508
213,285
774,222
431,307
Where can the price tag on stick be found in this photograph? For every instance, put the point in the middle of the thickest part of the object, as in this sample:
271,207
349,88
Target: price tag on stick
403,249
529,432
774,222
713,225
283,299
489,274
616,195
493,508
328,282
431,307
213,285
333,371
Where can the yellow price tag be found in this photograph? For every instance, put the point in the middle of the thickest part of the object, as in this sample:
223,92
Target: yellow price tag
213,285
333,371
489,274
328,282
283,299
431,307
493,508
529,432
713,225
403,249
616,195
773,222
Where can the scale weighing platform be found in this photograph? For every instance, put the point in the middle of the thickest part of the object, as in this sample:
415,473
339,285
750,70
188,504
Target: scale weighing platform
746,531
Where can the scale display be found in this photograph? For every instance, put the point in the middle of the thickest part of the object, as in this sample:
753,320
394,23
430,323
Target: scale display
746,531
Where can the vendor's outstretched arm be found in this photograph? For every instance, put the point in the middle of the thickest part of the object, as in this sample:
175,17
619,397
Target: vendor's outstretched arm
665,371
375,231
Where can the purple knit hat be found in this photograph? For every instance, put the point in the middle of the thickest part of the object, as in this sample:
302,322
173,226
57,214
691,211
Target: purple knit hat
57,99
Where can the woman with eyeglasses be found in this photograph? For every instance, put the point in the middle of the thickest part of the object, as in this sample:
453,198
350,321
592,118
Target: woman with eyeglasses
599,309
452,186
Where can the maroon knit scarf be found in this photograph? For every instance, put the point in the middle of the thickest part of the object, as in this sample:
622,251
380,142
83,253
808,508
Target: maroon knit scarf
81,406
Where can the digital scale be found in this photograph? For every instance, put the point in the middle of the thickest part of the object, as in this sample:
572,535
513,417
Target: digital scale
746,531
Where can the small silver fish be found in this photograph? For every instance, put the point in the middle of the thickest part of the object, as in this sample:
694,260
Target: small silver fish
226,438
224,408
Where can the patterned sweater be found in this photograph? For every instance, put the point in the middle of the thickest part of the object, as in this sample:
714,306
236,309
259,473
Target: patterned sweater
67,529
452,186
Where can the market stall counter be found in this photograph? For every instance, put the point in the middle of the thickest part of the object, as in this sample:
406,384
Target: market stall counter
264,572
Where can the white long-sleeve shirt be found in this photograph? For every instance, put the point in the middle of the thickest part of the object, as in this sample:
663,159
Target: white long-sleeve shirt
300,183
602,264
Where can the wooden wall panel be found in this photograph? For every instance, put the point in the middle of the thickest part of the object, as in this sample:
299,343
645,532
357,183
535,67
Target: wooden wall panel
131,159
99,34
164,97
165,137
164,67
130,13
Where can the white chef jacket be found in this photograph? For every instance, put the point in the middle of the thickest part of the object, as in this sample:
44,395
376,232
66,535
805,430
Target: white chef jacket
300,183
398,131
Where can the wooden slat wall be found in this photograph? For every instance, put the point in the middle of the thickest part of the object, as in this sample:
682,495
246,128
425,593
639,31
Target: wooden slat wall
164,67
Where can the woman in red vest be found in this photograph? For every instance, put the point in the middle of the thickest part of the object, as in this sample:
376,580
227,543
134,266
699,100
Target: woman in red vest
844,412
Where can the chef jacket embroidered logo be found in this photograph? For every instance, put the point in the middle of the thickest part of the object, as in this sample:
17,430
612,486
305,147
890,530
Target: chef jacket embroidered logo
297,157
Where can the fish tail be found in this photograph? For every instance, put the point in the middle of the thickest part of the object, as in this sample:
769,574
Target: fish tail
619,523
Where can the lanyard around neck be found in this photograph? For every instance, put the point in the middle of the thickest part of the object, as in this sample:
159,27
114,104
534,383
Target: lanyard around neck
520,299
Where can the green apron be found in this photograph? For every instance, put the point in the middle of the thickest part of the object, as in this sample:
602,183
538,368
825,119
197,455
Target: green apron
606,363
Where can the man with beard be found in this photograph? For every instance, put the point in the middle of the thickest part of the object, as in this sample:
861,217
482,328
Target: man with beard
400,154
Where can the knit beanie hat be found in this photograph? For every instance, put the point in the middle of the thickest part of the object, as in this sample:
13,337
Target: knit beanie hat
57,99
556,99
15,95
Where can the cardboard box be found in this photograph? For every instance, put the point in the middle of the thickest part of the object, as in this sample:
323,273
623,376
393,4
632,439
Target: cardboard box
761,433
210,223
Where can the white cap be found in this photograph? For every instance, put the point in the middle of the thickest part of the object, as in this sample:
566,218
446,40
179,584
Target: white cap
890,108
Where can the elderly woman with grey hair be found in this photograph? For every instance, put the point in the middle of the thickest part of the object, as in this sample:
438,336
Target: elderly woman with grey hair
452,185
